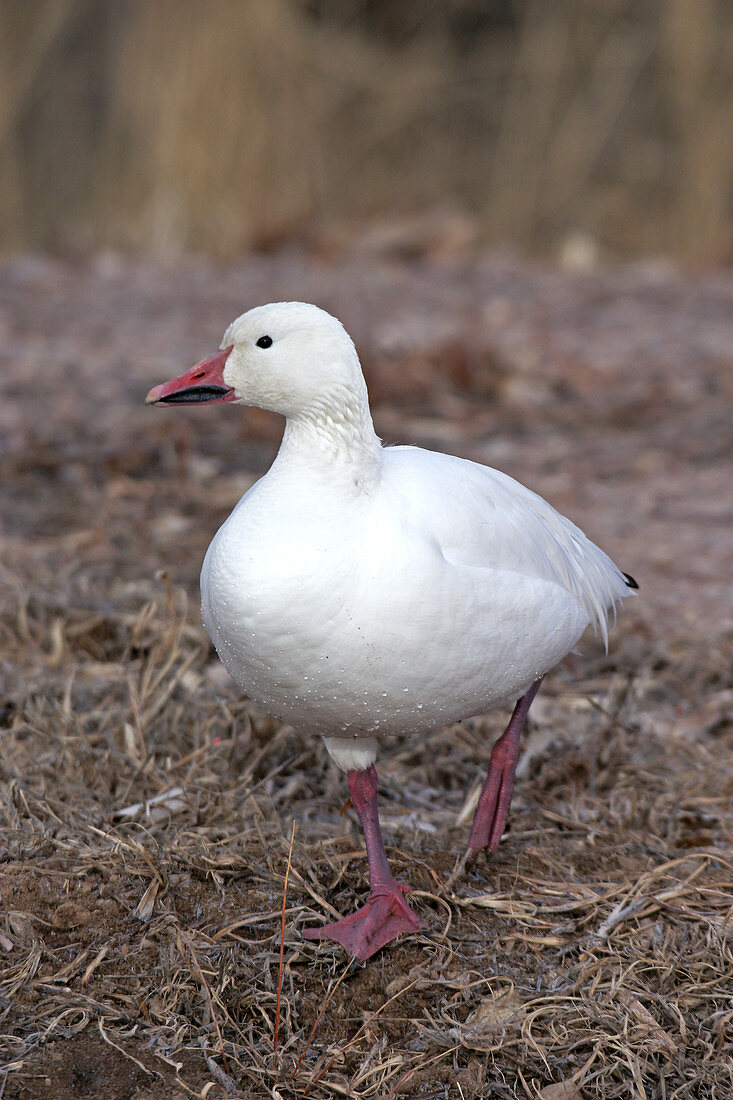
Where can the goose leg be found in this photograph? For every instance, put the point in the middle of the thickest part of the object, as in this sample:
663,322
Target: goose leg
493,804
386,914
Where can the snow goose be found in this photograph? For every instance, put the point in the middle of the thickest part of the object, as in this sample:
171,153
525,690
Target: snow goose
357,589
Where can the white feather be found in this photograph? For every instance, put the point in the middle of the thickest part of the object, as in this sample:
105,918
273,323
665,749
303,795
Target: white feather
357,589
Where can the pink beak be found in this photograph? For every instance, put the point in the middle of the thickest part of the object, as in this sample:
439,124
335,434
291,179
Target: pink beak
202,384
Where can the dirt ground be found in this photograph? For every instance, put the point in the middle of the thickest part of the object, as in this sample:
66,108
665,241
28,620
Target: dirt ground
148,810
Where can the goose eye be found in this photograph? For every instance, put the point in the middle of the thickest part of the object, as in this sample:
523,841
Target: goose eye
264,342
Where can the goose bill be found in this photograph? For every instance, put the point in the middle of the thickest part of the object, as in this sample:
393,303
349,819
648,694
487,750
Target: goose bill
202,384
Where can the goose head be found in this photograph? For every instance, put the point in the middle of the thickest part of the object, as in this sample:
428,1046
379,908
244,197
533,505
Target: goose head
288,357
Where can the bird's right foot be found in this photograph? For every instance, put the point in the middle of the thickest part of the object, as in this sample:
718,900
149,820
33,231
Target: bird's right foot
385,916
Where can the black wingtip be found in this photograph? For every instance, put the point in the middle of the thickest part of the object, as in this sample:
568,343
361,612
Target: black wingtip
630,581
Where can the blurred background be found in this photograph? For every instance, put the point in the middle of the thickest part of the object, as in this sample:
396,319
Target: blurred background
221,126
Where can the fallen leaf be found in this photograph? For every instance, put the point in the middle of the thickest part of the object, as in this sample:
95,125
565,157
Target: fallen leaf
493,1015
561,1090
70,914
21,926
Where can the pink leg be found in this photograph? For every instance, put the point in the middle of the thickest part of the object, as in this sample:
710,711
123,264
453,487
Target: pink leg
386,914
493,804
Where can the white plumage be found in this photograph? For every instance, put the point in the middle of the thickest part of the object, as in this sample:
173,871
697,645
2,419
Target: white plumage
358,589
436,592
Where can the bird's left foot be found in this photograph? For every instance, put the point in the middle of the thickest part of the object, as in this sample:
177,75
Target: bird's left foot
496,795
493,806
385,916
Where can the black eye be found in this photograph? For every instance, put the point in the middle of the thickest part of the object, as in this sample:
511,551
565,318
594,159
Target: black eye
264,342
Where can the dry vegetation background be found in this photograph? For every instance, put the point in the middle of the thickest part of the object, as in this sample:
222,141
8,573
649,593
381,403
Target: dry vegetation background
217,125
163,166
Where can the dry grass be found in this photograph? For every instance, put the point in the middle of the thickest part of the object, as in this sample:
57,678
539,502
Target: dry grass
220,126
148,810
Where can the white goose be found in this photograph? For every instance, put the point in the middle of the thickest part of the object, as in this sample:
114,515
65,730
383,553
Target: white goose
357,589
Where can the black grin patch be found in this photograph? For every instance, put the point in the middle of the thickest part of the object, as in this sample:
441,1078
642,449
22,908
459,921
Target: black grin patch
193,395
